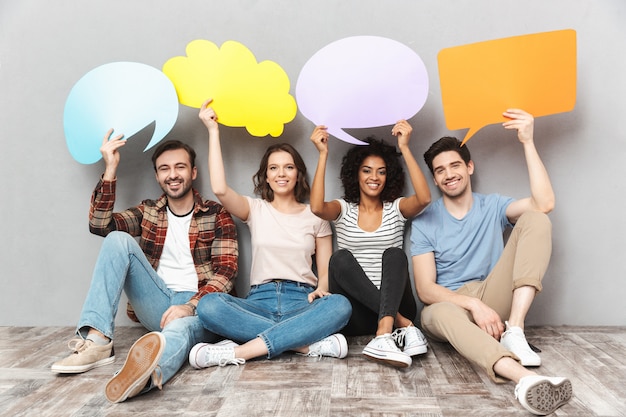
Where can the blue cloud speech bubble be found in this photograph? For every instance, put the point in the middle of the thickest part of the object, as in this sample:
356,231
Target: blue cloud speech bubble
361,82
125,96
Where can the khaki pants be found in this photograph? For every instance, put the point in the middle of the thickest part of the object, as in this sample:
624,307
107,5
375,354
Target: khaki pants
523,262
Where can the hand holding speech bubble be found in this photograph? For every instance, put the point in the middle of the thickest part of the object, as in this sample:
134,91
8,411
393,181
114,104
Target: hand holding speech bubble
361,82
536,73
245,93
126,96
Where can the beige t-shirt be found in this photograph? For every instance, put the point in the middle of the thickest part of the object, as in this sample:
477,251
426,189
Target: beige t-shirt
283,244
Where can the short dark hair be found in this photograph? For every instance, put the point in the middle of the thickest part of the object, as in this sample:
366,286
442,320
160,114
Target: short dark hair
445,144
263,189
352,161
172,145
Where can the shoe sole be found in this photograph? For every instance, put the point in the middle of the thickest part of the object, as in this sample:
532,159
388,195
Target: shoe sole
545,397
530,364
416,350
141,361
59,369
386,359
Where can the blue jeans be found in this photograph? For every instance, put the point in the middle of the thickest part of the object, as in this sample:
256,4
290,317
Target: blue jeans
278,312
122,265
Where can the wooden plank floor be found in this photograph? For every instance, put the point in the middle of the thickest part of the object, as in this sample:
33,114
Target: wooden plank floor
440,383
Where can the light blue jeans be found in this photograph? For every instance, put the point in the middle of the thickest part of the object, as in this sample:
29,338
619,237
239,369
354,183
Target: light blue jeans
278,312
122,265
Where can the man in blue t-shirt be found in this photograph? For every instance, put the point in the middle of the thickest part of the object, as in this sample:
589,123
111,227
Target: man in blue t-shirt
470,282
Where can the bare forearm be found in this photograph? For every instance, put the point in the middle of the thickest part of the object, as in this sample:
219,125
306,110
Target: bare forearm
542,194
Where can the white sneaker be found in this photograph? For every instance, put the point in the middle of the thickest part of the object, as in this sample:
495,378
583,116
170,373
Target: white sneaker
204,355
542,395
513,340
411,340
334,346
384,349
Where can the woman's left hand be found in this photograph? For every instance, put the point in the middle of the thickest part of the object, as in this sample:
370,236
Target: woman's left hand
317,294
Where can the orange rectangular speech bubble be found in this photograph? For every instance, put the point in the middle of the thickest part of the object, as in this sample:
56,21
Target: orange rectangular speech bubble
479,81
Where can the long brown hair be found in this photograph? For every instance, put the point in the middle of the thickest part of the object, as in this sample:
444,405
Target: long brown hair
263,189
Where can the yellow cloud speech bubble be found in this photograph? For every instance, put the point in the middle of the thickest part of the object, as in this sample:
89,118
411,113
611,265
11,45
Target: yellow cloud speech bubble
245,93
534,72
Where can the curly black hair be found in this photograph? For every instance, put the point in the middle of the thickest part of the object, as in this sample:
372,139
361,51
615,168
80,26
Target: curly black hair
351,164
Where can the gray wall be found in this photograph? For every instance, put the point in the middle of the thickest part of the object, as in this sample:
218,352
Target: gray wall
47,253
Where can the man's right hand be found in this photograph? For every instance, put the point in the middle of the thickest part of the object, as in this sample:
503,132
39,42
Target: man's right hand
487,319
111,155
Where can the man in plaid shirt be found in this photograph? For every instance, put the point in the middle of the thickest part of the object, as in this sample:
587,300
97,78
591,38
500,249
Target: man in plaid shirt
187,248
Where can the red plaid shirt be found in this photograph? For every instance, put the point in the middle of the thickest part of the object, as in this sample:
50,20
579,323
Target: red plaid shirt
212,235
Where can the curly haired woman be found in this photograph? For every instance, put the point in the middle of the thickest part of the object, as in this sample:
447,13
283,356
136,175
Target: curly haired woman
370,268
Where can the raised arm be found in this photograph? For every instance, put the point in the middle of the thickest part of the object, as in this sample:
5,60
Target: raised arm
541,193
414,204
429,292
102,219
233,202
327,210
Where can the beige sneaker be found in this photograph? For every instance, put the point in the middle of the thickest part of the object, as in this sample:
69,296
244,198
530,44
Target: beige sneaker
87,355
141,365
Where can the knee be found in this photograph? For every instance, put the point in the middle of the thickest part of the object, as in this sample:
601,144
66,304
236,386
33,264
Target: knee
438,313
395,255
117,239
536,219
341,259
207,306
340,305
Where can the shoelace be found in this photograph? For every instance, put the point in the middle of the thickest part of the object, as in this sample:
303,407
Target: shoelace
223,361
398,336
235,361
78,345
157,378
318,353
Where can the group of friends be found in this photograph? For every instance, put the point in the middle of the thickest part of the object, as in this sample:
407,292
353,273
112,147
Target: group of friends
179,274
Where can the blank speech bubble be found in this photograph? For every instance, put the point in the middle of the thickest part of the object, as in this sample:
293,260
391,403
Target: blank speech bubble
245,93
361,82
479,81
125,96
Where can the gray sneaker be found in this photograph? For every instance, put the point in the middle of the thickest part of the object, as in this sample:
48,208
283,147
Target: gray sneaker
86,355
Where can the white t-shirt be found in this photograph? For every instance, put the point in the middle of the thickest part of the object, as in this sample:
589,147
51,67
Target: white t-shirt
176,266
368,247
283,244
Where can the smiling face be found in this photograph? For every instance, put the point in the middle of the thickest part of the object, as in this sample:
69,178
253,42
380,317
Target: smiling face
452,174
175,174
372,176
282,173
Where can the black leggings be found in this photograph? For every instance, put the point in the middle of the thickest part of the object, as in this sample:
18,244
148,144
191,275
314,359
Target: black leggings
369,304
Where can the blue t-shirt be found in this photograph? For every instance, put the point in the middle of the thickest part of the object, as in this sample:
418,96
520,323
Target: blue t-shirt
466,249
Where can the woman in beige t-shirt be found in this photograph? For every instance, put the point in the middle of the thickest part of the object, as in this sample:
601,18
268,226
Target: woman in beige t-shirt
288,306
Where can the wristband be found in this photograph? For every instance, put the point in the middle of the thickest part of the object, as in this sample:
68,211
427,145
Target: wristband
194,311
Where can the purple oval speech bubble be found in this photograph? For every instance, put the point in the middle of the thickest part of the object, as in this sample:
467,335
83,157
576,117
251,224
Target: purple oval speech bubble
361,82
